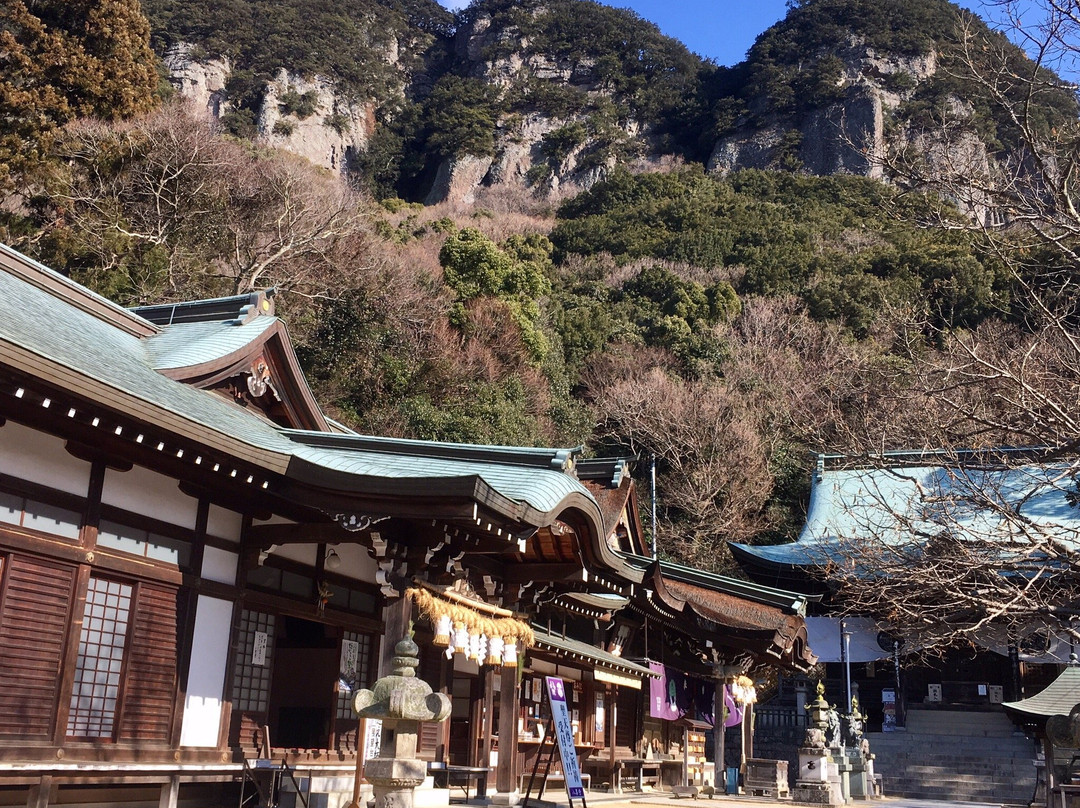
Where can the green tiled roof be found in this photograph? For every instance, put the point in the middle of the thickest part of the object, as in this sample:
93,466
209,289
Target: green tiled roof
1058,698
900,505
46,324
527,475
188,344
577,648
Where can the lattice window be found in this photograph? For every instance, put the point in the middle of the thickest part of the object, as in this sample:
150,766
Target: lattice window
254,662
355,668
94,698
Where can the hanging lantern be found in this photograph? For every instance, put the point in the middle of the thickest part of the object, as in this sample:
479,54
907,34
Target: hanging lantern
495,651
442,631
461,638
510,654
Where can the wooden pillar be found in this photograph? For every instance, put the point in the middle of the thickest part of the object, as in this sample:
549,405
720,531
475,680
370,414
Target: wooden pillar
506,772
487,729
719,731
39,794
396,616
613,723
747,735
170,793
1051,775
446,687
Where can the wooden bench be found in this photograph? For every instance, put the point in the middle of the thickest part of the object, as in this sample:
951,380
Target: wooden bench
1064,792
446,776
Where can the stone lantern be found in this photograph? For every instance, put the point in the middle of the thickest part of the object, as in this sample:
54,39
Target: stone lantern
819,777
401,702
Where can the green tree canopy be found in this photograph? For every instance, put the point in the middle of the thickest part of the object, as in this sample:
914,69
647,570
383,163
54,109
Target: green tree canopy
60,59
830,240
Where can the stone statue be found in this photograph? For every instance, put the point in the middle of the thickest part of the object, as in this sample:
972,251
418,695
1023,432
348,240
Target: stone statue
815,739
855,725
832,729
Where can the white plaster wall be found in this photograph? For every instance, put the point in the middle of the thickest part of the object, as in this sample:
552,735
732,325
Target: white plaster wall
224,524
206,673
356,563
219,565
302,553
147,492
41,458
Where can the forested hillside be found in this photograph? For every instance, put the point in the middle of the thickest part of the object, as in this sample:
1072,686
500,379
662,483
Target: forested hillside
592,272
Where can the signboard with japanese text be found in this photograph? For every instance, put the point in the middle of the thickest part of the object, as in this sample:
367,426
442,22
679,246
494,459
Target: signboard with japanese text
258,648
888,710
350,653
372,738
564,737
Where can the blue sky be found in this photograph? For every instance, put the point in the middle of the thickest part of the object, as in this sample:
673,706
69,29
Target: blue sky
722,30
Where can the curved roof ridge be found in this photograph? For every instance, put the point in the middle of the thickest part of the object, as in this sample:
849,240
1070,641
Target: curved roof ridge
774,596
237,309
535,457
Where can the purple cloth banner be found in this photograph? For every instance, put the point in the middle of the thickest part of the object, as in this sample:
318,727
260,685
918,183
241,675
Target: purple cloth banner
673,694
663,694
734,711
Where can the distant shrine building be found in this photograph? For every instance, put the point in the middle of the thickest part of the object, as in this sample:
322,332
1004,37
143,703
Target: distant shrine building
896,501
197,567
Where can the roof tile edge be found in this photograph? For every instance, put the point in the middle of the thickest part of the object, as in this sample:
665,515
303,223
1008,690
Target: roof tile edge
72,293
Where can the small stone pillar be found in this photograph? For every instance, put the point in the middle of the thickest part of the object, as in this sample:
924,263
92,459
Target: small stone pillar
818,780
401,702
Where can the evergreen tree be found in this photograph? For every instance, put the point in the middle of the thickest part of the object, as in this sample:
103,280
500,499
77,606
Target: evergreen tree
60,59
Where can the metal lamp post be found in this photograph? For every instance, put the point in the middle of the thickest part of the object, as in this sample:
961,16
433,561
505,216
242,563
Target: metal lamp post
845,657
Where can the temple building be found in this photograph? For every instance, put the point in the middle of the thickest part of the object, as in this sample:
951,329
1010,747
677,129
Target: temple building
197,568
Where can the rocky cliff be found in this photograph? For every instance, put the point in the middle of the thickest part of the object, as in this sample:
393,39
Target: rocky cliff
846,136
551,95
309,117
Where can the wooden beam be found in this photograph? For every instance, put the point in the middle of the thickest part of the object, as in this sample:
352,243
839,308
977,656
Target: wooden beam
543,573
311,533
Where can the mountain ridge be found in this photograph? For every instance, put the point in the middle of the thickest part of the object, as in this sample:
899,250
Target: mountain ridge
551,95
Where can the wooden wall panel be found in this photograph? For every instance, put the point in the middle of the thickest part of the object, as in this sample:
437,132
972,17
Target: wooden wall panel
150,681
628,729
34,618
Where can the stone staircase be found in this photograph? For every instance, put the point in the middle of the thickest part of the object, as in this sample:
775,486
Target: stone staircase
956,756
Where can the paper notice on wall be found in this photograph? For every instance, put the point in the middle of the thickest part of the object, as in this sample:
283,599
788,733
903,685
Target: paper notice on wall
258,648
350,652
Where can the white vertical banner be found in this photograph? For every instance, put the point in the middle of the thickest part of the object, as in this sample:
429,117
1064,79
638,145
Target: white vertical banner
564,736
